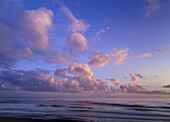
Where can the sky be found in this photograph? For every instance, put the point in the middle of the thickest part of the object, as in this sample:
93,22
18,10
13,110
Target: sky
85,46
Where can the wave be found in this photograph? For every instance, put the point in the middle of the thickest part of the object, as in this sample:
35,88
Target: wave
85,109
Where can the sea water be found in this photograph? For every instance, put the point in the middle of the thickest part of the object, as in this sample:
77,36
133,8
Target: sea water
88,109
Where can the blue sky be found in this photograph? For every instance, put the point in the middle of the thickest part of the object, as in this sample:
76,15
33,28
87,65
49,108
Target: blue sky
85,45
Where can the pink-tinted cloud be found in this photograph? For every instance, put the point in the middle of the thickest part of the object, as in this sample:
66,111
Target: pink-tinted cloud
158,51
117,57
151,6
76,25
132,88
74,78
115,81
135,77
77,78
99,60
120,56
38,22
23,36
54,57
77,42
145,55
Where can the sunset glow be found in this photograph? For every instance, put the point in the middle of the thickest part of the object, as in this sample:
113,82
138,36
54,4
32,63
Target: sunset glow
85,46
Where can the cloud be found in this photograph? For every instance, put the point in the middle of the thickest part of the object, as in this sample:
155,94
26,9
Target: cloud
75,78
38,22
23,35
151,6
166,86
135,77
158,51
76,25
53,57
77,42
154,92
26,80
131,88
117,57
120,56
79,78
115,81
139,75
99,59
145,55
98,34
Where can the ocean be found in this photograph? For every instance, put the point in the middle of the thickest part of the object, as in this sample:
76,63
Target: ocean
87,109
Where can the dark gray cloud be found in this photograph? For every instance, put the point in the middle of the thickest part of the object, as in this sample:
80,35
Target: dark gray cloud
166,86
154,92
139,75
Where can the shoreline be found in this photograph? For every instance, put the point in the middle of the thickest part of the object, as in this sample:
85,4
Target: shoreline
10,119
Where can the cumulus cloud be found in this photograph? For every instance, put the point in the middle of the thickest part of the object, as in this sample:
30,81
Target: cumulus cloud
77,41
151,6
115,81
135,77
117,57
23,35
131,88
81,78
75,78
38,22
158,51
